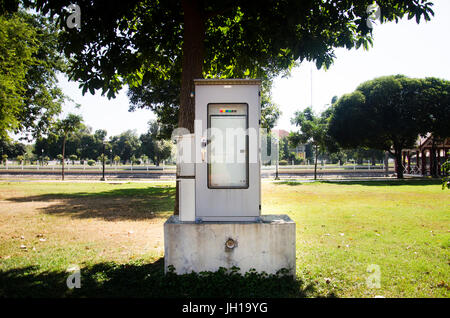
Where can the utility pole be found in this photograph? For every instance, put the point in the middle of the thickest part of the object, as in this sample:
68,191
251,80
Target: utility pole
278,158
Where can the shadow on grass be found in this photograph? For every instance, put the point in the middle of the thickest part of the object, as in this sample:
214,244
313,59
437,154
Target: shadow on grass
112,205
291,183
376,183
149,280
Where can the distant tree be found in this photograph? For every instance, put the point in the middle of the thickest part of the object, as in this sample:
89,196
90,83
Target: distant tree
361,154
435,110
155,148
162,46
20,159
126,145
312,129
283,148
102,157
144,158
4,159
73,158
11,148
67,126
387,113
116,159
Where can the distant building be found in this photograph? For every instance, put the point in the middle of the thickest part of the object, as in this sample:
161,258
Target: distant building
299,150
420,160
280,133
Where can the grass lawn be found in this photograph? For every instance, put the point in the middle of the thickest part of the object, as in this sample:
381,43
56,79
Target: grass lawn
114,233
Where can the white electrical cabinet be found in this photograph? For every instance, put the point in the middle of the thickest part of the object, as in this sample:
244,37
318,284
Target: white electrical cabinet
227,150
185,177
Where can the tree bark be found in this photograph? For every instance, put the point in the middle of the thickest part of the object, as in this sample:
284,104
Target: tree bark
192,63
398,160
386,164
192,66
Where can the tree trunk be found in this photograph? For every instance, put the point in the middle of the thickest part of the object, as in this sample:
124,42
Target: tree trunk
386,164
398,160
315,163
433,160
63,153
192,65
193,57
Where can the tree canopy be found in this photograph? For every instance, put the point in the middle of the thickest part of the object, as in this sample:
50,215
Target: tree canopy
162,45
390,112
29,96
153,146
313,129
66,127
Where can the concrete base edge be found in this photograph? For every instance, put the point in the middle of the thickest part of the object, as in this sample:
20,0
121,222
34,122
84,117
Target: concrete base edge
266,246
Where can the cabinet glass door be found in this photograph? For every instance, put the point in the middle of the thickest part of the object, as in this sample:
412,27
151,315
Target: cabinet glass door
228,152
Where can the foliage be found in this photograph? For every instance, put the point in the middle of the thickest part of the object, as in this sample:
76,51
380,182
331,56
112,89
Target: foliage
270,112
84,144
91,162
153,146
155,46
11,148
361,154
144,158
102,157
67,126
126,145
446,173
139,279
20,158
313,129
73,158
435,107
17,45
286,154
388,113
29,96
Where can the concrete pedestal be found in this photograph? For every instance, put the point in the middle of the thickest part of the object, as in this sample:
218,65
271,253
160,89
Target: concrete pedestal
266,246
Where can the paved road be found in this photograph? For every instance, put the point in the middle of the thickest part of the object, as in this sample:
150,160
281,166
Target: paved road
170,174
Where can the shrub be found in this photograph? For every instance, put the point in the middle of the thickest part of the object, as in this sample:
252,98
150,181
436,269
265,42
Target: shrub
283,163
91,162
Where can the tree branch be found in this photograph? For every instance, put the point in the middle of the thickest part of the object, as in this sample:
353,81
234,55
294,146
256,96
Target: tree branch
215,13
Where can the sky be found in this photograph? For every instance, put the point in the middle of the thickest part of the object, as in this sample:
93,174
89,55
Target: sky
415,50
